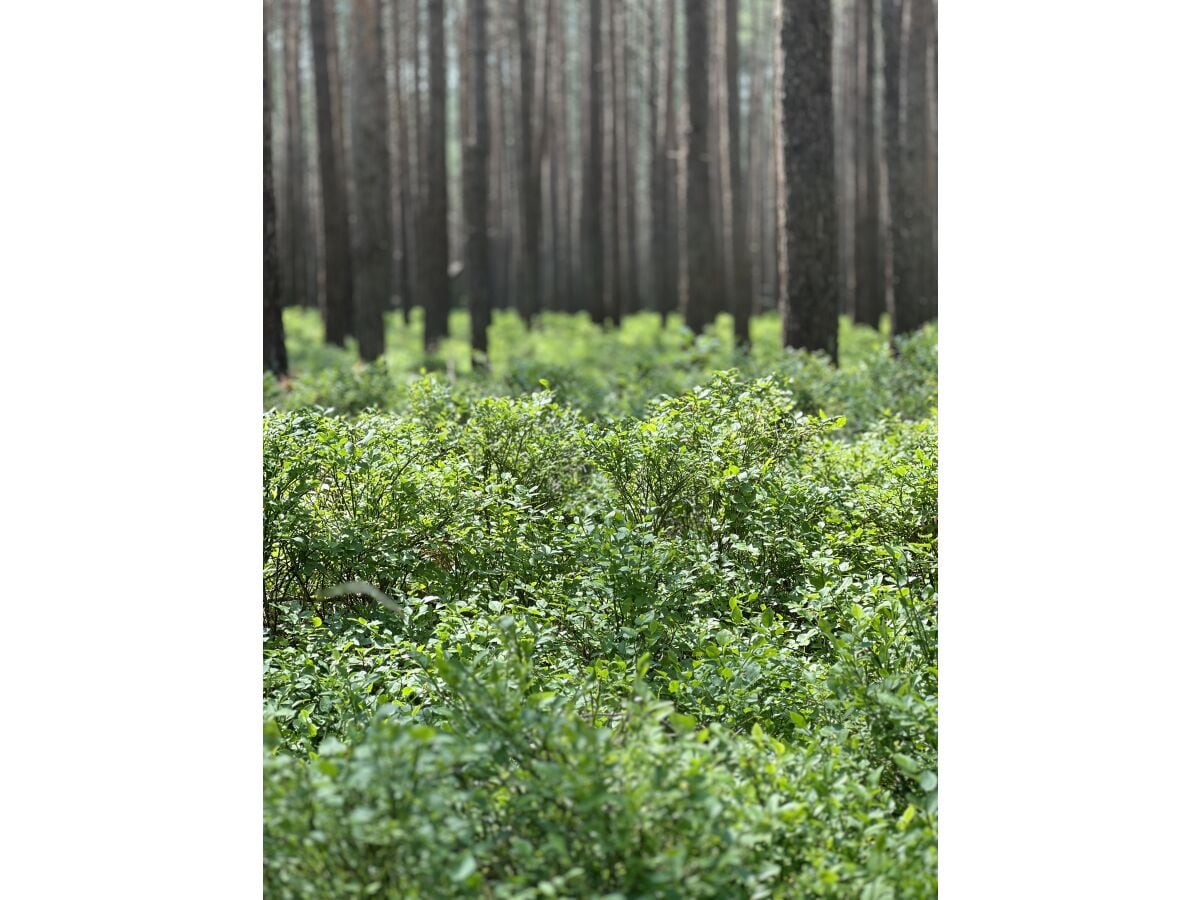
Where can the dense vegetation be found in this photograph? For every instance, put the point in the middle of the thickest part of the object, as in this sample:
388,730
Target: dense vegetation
614,619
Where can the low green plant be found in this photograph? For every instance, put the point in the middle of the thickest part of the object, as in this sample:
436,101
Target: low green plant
658,644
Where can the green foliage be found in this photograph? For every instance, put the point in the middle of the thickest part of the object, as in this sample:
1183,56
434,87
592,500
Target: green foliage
603,373
630,642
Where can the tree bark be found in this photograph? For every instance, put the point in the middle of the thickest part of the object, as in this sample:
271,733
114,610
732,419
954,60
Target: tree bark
701,244
437,297
402,279
915,264
592,143
373,252
274,349
475,183
740,300
339,302
632,299
295,265
614,201
869,279
530,298
808,262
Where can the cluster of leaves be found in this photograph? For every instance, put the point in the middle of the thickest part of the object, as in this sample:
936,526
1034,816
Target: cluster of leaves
514,649
602,373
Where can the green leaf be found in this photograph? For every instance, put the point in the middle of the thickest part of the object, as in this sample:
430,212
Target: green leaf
681,722
465,869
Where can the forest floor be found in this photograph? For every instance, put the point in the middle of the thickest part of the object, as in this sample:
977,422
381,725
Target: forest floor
627,615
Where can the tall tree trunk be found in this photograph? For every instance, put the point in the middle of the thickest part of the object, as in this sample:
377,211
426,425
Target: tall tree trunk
869,280
772,174
294,262
502,228
530,299
740,261
658,166
754,183
415,151
847,109
274,349
592,144
672,299
568,293
632,302
400,211
702,247
339,303
547,166
373,252
475,182
437,297
614,207
311,186
808,264
915,299
890,21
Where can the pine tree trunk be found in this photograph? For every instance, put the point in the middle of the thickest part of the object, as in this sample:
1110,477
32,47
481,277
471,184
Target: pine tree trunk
569,285
701,243
372,251
915,297
274,349
672,300
808,262
339,303
475,181
658,165
754,163
530,299
628,170
437,295
740,299
292,222
592,143
614,205
400,210
848,108
869,279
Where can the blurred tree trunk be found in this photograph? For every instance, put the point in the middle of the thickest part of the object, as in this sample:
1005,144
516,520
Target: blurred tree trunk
274,349
756,197
501,226
339,304
614,202
400,210
295,213
592,143
869,276
913,231
475,180
437,294
548,166
569,298
808,261
417,271
701,241
846,111
530,298
632,299
661,25
675,174
740,299
373,251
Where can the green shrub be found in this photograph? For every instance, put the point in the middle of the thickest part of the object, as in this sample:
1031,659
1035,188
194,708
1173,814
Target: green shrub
664,644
